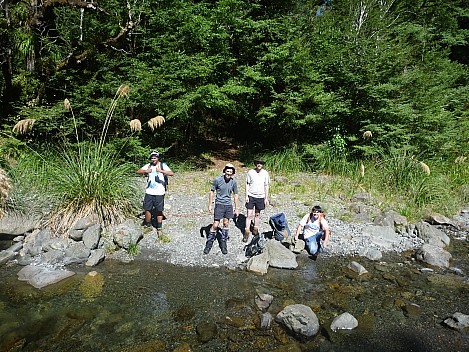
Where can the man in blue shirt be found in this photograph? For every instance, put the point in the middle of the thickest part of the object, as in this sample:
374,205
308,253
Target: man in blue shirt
224,186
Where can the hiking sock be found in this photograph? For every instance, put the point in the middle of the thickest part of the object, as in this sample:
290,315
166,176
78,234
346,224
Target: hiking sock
255,231
159,229
225,234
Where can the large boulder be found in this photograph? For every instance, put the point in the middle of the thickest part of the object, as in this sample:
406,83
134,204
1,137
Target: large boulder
382,236
280,256
433,255
431,235
126,234
258,263
300,320
17,224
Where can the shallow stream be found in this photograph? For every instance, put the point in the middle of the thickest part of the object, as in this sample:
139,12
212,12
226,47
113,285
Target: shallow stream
151,306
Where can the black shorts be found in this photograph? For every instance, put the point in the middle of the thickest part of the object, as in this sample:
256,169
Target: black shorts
223,211
258,203
152,202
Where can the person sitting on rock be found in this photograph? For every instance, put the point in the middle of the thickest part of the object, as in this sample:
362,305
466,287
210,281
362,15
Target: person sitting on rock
224,186
314,228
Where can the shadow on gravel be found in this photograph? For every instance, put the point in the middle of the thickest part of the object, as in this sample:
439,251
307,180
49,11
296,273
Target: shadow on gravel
240,222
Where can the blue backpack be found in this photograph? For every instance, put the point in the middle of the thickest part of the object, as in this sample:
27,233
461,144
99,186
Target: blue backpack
279,226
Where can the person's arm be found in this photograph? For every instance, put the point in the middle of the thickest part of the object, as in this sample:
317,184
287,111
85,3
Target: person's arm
266,190
247,187
298,231
168,172
327,231
236,204
146,169
210,200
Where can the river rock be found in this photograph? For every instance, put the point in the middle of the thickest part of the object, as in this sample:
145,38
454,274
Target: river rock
263,300
126,233
370,253
91,236
206,331
345,321
280,256
357,268
297,246
40,277
433,255
300,320
382,236
458,321
392,219
96,257
18,224
33,243
431,235
258,263
76,253
266,321
438,219
6,255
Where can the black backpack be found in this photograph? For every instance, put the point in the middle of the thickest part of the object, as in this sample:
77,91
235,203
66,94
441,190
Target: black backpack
256,246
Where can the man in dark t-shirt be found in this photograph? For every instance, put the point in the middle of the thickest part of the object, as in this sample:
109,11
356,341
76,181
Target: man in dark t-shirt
223,186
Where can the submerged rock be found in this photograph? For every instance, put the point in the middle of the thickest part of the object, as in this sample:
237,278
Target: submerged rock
40,277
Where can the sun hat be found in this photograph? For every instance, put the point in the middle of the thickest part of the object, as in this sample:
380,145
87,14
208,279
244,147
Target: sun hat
229,166
154,153
259,161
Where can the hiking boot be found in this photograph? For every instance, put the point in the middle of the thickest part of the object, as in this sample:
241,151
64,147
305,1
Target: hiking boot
208,247
246,235
223,247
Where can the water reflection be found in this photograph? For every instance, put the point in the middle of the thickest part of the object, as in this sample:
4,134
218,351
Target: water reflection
149,306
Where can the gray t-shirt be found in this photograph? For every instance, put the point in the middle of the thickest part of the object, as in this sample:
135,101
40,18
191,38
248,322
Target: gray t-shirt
224,190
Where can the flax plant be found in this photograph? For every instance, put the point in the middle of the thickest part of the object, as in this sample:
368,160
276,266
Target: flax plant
5,188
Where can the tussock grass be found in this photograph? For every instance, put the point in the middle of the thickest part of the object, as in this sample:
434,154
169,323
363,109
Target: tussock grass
24,126
5,189
89,182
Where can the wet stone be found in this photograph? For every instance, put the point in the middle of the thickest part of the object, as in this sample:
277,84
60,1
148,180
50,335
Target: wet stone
412,310
206,331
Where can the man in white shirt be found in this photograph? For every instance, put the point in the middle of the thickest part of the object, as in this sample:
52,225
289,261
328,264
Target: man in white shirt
156,189
257,196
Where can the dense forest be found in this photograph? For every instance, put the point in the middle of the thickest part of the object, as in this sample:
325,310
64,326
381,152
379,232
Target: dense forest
269,74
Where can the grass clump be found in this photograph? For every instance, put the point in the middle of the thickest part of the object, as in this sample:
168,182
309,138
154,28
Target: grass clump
89,181
133,249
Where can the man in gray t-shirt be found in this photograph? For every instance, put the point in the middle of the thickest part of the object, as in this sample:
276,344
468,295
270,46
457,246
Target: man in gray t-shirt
223,186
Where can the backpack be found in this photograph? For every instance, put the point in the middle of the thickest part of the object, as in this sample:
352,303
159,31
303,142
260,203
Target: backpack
165,177
256,246
279,225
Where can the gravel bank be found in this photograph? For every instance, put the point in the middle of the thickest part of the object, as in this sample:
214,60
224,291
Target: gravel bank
186,206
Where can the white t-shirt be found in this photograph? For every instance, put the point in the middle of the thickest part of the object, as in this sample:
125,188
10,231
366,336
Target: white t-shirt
155,181
311,227
256,182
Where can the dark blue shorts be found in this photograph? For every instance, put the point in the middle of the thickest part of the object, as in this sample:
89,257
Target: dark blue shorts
223,211
151,202
258,203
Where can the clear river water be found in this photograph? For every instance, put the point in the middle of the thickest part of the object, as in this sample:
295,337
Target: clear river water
152,306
